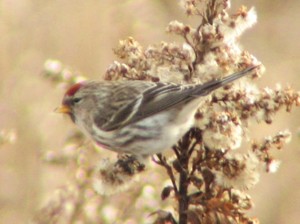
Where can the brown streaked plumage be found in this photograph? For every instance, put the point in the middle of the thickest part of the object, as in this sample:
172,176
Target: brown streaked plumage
137,117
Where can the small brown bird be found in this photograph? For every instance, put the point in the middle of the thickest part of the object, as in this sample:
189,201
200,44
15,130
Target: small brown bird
137,117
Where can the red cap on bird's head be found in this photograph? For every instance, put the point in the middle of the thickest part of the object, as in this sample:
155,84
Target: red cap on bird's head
73,89
65,107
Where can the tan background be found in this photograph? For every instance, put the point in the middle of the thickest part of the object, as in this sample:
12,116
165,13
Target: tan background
81,34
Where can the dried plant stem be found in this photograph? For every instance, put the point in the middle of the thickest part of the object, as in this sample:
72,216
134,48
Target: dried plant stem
162,162
183,157
183,199
182,152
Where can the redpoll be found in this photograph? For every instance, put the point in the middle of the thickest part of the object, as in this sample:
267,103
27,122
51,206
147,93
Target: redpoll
137,117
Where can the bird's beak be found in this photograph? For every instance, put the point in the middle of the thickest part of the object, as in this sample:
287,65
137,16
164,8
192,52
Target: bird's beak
63,109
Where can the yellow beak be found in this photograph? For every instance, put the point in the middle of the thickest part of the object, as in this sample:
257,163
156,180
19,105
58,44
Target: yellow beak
63,109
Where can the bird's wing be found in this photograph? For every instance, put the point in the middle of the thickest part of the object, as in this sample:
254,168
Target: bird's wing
155,98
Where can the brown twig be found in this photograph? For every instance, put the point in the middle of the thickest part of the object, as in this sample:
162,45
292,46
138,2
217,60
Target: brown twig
162,162
183,199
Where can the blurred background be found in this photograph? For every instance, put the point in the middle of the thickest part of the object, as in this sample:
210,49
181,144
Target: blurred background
82,35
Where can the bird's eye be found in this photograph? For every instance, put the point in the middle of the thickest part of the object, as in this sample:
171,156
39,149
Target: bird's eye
76,100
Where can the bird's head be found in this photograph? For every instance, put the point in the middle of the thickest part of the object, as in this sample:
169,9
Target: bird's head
76,101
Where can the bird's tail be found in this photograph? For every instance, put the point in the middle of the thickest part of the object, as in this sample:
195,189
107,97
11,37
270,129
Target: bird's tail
215,84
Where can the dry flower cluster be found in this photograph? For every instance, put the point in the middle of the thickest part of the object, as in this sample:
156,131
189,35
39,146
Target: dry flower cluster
208,176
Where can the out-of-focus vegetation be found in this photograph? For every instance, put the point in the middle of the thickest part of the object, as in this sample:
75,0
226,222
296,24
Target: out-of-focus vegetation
82,35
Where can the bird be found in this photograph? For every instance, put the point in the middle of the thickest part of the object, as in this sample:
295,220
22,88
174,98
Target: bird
138,117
